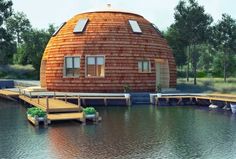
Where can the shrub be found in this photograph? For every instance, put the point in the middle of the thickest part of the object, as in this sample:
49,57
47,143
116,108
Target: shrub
34,111
89,110
127,88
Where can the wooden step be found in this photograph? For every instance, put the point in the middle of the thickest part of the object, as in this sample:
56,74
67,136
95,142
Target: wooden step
66,116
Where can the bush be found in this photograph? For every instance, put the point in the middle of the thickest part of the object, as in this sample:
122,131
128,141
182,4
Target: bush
89,110
34,111
201,74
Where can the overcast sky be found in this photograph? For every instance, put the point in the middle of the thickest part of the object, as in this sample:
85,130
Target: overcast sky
44,12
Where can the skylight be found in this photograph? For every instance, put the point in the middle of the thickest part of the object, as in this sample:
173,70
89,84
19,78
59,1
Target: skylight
135,27
59,28
80,26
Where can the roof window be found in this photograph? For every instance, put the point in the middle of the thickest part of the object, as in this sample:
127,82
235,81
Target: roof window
135,27
80,26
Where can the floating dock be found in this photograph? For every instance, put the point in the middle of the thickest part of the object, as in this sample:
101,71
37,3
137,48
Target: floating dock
56,109
194,99
59,106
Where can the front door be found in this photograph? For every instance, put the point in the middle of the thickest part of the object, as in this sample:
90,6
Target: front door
162,73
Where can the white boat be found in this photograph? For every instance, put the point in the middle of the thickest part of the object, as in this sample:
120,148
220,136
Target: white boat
213,106
233,107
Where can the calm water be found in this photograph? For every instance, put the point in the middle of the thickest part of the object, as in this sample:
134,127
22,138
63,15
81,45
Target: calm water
135,132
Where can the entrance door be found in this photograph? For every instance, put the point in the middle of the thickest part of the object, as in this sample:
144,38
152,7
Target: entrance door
162,73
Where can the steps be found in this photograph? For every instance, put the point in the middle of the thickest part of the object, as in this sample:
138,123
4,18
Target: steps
140,98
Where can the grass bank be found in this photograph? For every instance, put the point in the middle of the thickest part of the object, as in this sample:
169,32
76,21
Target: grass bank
207,85
18,72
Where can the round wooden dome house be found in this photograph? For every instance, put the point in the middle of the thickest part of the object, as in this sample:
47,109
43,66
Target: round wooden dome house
107,51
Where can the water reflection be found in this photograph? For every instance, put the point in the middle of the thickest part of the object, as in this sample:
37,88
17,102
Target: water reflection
125,132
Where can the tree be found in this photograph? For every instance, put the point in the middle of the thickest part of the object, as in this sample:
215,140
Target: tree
177,44
193,25
17,25
6,41
34,44
224,40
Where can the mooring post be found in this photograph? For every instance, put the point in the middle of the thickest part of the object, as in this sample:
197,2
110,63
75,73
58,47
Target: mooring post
38,99
30,95
66,98
105,101
54,95
47,104
156,101
19,90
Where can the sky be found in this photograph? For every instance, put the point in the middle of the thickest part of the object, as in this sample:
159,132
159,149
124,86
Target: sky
41,13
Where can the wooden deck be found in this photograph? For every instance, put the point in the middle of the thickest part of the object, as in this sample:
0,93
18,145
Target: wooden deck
195,99
8,93
54,105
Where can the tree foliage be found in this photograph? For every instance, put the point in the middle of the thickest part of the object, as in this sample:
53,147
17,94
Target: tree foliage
224,41
177,44
17,25
31,51
6,40
193,27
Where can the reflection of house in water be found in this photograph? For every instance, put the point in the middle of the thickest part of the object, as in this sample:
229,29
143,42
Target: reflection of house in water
102,51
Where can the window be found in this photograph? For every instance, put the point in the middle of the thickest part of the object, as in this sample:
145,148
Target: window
95,66
80,26
72,66
135,27
58,29
144,66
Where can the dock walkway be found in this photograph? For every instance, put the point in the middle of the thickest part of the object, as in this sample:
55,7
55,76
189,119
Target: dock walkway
56,109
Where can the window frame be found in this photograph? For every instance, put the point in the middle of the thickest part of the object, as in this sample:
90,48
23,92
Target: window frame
65,66
131,24
86,65
76,31
142,64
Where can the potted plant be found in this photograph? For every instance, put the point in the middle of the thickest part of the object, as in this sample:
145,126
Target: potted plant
90,112
36,115
127,88
159,88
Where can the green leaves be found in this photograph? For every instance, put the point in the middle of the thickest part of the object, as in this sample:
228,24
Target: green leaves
34,111
6,41
89,110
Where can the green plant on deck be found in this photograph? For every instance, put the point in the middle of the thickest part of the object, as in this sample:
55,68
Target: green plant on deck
36,112
158,88
89,110
127,88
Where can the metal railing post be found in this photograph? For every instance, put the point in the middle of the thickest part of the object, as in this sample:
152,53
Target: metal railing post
47,104
79,104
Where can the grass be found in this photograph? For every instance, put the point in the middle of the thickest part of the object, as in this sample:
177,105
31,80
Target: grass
17,72
207,85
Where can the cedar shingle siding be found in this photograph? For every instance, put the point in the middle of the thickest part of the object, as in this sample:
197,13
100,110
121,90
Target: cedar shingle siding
108,34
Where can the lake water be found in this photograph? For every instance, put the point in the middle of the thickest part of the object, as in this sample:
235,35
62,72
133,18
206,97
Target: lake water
125,132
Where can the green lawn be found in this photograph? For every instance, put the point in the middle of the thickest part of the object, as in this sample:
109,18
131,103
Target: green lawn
207,85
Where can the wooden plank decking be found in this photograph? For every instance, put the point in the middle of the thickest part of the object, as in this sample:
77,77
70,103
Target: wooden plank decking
8,93
54,105
66,116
